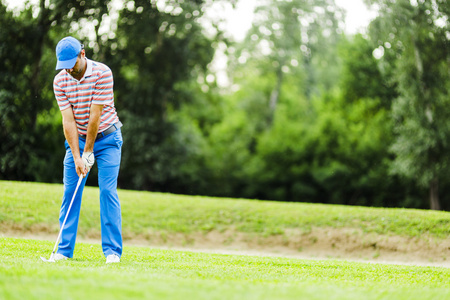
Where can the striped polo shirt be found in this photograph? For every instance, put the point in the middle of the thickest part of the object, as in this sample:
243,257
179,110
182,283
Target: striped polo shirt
96,87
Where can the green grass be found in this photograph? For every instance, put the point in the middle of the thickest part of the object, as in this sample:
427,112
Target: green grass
146,273
28,206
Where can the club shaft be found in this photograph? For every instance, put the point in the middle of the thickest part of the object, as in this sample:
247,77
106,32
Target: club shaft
67,214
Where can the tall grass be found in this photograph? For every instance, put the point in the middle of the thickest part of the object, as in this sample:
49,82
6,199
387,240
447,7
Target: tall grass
31,206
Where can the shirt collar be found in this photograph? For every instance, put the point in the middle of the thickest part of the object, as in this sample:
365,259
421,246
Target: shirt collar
88,70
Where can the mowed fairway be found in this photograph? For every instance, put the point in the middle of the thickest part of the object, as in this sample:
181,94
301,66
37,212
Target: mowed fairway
146,273
152,273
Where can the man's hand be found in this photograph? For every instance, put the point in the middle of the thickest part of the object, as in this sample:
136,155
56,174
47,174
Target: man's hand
88,160
79,167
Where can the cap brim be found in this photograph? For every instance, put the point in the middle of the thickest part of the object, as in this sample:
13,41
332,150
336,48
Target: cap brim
66,64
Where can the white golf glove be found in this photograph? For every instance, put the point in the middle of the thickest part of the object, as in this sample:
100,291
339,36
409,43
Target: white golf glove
88,159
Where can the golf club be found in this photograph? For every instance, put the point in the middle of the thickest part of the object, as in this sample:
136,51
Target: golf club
51,259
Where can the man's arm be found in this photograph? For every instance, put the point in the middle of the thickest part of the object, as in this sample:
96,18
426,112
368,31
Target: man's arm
92,130
71,134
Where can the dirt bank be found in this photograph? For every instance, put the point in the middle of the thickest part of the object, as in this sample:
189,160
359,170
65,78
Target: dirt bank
319,243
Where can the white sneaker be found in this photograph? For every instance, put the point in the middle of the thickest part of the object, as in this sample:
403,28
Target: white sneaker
112,258
59,256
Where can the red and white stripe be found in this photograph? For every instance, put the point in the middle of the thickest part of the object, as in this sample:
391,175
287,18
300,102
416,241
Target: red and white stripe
96,87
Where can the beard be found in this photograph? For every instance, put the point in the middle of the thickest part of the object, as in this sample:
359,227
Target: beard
76,72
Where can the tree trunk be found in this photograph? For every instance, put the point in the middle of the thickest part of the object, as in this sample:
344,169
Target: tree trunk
434,194
275,94
36,87
434,183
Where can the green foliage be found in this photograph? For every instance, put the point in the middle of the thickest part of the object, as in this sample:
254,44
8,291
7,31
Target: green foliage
410,33
360,77
339,156
233,140
24,98
310,114
155,55
292,38
30,126
333,149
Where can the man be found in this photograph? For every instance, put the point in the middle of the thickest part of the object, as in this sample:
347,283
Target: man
84,92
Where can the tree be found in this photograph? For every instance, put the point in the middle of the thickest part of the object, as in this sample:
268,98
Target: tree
17,117
287,58
360,76
158,50
413,36
30,123
293,37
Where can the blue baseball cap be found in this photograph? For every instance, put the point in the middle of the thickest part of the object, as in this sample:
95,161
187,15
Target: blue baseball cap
67,52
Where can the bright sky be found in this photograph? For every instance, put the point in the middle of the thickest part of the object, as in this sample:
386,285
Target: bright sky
358,16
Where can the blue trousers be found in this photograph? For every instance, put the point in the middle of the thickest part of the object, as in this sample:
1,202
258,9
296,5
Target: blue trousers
107,152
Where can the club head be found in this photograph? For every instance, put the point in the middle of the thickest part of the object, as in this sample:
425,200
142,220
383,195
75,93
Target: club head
48,260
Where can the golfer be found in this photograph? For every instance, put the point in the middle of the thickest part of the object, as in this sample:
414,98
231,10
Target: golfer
84,92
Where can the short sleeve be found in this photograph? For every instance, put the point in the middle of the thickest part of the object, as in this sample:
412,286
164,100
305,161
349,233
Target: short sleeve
60,96
103,92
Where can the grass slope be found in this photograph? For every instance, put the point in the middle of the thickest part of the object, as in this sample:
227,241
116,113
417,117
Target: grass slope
146,273
35,206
